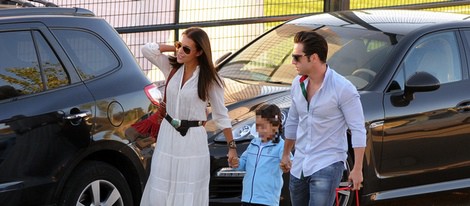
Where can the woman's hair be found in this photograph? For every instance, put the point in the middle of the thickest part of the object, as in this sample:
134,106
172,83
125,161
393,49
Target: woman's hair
313,43
207,73
272,113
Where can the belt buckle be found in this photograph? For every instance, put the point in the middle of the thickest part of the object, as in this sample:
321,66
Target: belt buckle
176,123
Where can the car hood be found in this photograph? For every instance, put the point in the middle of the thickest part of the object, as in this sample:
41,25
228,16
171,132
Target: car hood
242,97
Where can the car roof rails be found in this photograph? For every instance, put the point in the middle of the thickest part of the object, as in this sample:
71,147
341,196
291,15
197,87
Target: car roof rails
22,3
30,9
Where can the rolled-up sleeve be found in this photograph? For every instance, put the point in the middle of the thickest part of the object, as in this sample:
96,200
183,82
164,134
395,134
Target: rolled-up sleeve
354,116
219,111
151,51
292,121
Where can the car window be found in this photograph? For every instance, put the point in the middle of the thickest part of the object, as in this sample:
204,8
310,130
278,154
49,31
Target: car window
21,71
90,55
54,72
437,54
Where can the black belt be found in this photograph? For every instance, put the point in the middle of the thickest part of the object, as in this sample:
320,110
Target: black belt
182,126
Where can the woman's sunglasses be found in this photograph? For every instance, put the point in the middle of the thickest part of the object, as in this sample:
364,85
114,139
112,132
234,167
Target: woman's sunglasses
186,49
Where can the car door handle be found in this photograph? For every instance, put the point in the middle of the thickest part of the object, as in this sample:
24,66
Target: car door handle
76,116
464,107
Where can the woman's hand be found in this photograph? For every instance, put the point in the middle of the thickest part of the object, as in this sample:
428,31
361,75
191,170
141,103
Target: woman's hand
167,48
232,158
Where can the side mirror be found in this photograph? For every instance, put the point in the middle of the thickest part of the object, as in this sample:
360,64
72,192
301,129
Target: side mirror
419,82
422,82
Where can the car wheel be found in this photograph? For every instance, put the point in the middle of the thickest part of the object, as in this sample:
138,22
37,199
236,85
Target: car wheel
346,197
96,183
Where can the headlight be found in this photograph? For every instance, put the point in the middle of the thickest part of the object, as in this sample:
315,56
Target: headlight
245,130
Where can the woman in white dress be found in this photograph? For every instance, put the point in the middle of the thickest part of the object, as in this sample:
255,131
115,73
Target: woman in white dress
179,173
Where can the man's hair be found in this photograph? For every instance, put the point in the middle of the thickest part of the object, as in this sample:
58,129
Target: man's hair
313,43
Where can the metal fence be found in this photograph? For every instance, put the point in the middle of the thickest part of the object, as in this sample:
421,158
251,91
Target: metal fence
229,23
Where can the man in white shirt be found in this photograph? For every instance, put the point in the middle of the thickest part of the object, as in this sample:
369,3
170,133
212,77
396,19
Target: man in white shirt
324,106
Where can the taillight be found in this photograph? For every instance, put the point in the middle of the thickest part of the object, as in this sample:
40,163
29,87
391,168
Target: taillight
153,93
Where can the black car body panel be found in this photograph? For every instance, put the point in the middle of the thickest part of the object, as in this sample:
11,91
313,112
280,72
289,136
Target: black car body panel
411,70
75,105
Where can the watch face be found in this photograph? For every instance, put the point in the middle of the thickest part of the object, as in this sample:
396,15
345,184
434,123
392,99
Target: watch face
232,144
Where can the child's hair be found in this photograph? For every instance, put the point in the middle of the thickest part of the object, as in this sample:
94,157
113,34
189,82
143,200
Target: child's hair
272,113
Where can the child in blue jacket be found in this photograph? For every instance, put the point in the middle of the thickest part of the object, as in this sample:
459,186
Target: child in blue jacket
262,182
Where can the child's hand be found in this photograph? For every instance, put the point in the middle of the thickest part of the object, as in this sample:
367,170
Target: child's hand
285,164
235,162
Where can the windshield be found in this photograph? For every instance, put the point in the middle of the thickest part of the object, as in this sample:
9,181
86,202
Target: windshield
357,54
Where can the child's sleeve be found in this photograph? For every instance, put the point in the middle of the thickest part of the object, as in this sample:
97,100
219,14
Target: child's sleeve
242,162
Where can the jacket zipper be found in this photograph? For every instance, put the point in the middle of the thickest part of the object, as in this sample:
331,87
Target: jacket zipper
258,155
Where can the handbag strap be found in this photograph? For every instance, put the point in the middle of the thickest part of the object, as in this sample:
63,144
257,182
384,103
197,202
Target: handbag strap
172,72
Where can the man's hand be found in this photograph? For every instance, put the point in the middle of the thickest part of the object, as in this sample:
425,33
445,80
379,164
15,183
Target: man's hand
285,164
356,178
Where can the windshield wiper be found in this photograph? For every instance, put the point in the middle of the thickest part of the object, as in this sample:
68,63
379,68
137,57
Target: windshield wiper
277,82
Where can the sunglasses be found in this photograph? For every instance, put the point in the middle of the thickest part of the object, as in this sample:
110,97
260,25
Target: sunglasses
186,49
296,57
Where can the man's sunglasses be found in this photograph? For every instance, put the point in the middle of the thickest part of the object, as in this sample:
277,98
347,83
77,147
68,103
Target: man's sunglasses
296,57
186,49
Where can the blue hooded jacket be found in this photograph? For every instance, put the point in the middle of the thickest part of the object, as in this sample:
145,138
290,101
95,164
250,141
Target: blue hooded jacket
262,182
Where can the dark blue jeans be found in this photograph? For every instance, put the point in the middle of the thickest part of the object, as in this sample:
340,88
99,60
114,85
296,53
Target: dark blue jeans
317,189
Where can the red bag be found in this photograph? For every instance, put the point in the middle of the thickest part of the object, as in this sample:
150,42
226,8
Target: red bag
346,188
151,125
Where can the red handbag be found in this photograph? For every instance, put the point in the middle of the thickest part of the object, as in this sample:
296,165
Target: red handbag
151,125
347,188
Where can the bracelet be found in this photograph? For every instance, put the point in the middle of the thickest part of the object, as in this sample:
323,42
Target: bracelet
232,144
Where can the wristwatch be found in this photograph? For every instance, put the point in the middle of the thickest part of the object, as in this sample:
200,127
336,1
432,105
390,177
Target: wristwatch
232,144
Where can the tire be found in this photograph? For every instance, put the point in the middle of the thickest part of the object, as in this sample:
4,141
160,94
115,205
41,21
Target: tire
92,178
346,197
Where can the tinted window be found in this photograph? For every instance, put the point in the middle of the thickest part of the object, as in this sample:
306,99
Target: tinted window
51,66
21,71
437,54
90,55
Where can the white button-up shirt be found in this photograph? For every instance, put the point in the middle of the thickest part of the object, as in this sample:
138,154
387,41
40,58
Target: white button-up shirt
320,132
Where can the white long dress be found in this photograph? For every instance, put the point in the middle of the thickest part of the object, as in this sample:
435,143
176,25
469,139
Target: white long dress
179,173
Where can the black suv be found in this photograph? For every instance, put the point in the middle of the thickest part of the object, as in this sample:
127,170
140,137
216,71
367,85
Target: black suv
70,90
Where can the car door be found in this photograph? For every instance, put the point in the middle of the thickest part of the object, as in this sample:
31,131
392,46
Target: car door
44,112
426,139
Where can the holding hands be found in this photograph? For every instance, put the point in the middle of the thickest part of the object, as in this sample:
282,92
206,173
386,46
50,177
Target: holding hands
285,164
232,158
